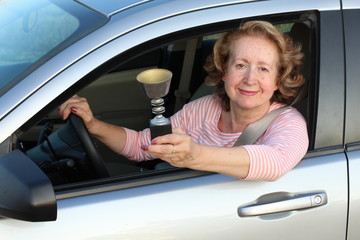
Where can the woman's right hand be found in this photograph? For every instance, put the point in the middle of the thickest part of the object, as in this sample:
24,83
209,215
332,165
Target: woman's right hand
112,136
79,106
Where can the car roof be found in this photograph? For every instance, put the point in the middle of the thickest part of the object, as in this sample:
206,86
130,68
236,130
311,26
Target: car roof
111,7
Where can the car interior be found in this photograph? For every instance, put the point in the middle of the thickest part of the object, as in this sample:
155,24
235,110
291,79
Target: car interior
117,98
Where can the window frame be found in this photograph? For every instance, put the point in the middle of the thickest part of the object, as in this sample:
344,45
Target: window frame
145,178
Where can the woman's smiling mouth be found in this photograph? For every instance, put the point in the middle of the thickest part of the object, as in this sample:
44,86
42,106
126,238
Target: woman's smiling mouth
248,93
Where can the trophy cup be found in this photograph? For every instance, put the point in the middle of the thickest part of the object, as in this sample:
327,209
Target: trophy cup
156,84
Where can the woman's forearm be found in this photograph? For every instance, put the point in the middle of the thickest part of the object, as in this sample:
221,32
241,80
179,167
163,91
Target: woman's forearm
234,161
111,135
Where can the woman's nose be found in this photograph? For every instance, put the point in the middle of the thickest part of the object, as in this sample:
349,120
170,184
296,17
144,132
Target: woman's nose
250,77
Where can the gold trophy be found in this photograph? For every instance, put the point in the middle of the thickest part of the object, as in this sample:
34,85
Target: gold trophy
156,84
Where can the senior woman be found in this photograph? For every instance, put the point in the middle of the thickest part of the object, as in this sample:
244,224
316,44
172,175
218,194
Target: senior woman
256,69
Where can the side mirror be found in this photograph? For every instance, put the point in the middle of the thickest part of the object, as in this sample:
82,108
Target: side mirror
26,193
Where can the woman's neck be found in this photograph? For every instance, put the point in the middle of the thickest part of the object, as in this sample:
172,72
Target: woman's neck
237,119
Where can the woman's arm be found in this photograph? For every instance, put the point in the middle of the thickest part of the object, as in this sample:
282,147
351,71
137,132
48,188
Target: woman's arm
274,154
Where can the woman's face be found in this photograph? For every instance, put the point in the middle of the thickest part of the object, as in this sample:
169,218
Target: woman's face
251,73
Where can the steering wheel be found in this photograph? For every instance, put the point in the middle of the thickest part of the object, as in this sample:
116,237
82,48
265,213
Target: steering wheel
89,146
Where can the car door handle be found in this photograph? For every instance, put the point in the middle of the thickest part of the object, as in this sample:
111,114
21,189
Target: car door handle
282,202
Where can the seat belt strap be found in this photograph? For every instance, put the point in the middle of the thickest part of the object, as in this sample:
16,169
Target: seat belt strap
252,132
182,93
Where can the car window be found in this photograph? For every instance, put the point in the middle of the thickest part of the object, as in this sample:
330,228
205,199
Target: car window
116,97
39,30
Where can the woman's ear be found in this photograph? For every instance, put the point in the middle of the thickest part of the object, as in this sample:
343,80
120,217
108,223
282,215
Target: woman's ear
276,87
224,76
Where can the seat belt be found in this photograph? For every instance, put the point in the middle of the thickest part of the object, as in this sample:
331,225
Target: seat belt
182,93
254,130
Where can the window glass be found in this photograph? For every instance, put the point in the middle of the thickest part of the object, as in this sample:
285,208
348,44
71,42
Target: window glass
31,32
285,27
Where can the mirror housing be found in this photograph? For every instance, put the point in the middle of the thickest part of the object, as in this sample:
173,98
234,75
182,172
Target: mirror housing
26,193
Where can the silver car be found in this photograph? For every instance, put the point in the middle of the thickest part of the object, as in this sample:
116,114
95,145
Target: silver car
56,182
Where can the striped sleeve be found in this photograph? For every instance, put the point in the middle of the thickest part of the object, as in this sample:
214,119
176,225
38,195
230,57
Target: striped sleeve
280,149
134,141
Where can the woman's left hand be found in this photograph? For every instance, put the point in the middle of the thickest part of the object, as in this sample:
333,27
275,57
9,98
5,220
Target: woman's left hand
177,148
180,150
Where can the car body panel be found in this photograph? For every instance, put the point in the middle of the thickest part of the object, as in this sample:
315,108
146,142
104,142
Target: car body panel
329,75
350,4
352,34
203,205
354,194
352,133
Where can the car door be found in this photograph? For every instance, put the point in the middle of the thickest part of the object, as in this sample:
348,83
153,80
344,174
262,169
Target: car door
352,47
309,202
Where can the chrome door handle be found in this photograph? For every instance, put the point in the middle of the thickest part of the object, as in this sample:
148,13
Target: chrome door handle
282,202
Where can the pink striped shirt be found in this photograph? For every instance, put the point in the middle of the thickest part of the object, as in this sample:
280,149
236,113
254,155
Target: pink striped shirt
276,152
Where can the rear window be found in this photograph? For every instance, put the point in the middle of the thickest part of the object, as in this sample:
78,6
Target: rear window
31,32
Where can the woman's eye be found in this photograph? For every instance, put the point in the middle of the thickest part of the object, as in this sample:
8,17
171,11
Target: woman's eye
263,69
240,65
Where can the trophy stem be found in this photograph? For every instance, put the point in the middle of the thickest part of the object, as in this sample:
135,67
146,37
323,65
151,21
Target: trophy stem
158,107
159,125
157,102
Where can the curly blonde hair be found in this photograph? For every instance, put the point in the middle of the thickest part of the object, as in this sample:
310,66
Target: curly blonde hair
290,61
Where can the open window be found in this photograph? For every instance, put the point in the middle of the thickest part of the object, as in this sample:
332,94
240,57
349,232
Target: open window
116,97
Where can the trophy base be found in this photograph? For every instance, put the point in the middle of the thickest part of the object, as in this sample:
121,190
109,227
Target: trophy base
159,130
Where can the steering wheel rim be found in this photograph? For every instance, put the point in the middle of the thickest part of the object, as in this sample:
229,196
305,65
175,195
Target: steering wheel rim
89,146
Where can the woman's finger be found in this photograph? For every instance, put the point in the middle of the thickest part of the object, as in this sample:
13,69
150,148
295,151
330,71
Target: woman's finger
78,106
174,138
65,108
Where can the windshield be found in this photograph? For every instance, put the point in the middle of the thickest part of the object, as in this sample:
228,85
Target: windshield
31,32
